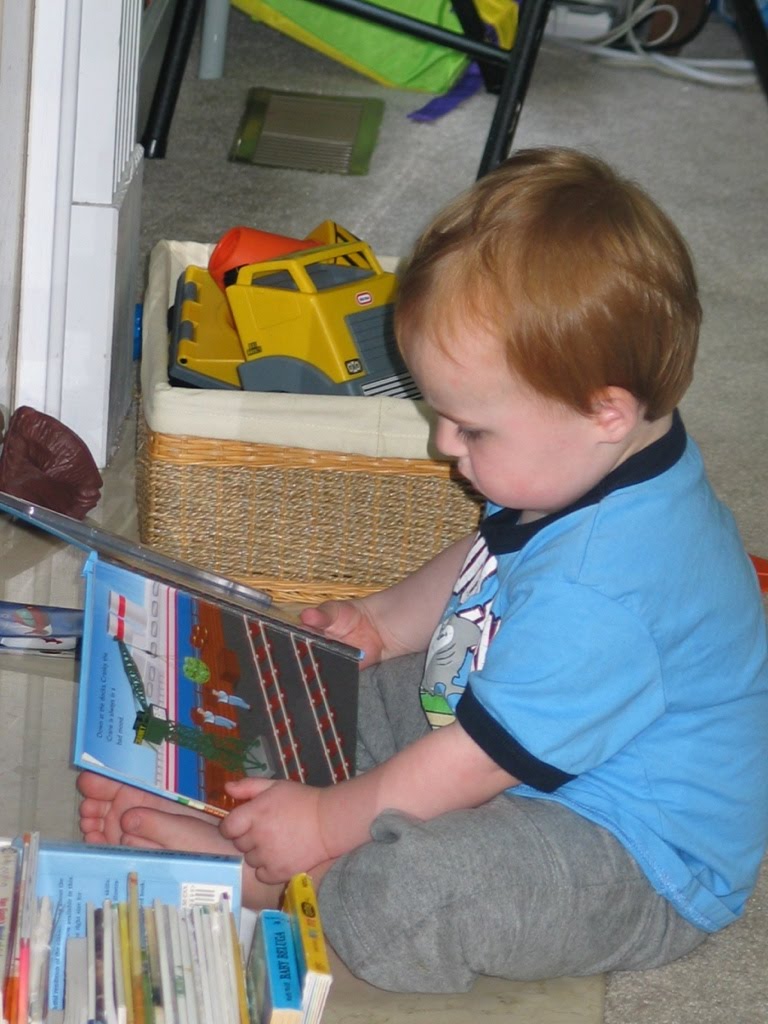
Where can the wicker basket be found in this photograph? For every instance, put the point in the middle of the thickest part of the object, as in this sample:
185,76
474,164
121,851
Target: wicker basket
255,504
303,525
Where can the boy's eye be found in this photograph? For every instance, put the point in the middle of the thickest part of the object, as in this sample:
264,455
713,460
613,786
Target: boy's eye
468,433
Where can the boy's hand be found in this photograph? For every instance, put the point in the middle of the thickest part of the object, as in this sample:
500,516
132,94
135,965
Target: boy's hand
399,619
278,829
347,621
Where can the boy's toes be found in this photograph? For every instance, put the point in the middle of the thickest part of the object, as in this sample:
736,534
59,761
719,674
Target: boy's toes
97,786
148,826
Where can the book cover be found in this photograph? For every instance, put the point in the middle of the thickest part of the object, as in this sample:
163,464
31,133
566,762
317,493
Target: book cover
179,694
273,971
73,875
43,629
189,679
300,903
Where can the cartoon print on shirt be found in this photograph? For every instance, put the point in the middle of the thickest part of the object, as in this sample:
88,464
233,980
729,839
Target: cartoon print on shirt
454,641
460,642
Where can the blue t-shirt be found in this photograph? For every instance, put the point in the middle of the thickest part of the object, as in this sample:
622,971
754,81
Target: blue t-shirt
613,657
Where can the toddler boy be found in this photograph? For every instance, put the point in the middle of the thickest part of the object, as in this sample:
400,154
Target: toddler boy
594,794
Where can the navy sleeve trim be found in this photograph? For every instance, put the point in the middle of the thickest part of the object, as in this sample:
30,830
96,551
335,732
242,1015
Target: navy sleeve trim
504,749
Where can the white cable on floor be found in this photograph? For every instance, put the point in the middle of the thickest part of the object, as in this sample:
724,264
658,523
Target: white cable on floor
702,70
678,66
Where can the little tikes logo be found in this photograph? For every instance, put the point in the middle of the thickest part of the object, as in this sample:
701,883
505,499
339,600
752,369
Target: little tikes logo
363,298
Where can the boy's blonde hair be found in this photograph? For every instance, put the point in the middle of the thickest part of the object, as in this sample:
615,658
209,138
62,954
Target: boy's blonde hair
577,272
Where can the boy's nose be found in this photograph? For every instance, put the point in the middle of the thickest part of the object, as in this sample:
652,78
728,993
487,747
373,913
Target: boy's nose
447,439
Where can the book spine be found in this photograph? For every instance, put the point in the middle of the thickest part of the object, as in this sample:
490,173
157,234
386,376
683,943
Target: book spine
121,1004
273,980
239,971
17,1007
76,969
90,938
166,966
177,965
144,913
153,953
9,865
201,962
110,1008
40,949
301,903
134,943
100,1005
125,961
282,984
192,986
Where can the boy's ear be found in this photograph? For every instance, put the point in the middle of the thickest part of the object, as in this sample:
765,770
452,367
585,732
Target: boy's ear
616,412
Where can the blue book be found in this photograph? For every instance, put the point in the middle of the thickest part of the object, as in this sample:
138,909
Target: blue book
189,680
74,875
273,982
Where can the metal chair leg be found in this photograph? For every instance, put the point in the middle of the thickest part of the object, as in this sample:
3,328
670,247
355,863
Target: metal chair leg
530,29
155,137
754,35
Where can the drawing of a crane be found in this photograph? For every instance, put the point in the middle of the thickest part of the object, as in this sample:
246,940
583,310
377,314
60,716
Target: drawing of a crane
231,752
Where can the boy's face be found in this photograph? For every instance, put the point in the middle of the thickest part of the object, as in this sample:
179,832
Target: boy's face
515,447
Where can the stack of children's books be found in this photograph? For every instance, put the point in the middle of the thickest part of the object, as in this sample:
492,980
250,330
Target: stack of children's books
187,680
106,935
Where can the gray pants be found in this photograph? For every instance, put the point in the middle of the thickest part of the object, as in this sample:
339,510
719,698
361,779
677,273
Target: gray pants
517,888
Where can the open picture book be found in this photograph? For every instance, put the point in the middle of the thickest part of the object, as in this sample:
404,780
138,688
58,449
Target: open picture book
188,679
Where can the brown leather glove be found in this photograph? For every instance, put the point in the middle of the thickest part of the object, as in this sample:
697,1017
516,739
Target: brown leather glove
44,462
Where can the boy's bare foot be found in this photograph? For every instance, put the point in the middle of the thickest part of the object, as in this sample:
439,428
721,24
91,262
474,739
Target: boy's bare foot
115,813
105,802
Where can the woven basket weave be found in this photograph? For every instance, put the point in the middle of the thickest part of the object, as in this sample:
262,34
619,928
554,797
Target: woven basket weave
302,525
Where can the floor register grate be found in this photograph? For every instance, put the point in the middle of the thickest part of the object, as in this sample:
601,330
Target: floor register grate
309,132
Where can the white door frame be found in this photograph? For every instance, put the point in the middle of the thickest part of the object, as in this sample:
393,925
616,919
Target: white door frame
16,19
45,241
81,212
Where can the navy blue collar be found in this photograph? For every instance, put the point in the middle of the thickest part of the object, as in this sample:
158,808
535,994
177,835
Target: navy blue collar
503,534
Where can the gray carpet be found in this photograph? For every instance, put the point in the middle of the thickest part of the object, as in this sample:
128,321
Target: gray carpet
702,152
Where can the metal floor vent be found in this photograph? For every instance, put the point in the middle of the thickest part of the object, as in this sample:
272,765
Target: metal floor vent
308,132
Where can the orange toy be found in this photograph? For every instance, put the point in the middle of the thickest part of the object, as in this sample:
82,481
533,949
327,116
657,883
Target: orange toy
761,567
241,246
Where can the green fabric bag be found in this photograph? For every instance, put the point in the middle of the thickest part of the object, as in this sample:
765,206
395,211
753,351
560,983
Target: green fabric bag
386,55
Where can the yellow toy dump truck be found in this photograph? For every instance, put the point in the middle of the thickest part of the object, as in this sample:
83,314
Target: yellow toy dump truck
315,321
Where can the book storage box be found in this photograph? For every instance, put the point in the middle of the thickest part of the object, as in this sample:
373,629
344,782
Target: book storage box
306,497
